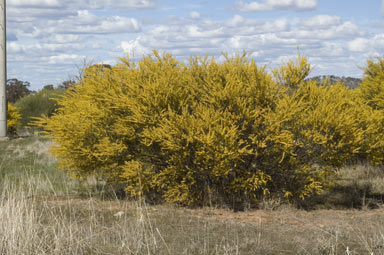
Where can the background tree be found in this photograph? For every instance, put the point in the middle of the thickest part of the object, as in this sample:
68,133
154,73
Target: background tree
39,103
17,89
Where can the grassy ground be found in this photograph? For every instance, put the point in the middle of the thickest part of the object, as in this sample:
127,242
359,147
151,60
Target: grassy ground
43,212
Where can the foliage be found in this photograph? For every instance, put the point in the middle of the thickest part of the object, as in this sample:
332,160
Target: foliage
208,132
371,93
16,89
13,119
38,103
372,87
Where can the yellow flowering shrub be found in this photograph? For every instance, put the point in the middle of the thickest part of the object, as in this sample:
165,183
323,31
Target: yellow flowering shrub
13,119
372,86
206,131
371,93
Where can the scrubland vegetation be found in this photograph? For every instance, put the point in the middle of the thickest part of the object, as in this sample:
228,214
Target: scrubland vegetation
156,155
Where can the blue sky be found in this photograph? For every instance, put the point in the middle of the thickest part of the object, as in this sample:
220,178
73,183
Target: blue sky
49,40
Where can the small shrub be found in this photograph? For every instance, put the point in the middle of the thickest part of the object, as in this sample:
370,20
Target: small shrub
38,103
13,119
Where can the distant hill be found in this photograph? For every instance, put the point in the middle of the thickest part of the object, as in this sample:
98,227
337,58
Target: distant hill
348,81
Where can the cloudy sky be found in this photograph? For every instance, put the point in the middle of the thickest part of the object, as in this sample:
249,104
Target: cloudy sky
49,40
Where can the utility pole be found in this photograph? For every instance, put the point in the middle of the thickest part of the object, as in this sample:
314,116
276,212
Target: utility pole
3,72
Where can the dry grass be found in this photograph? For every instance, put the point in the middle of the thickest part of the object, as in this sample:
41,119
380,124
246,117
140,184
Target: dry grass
42,212
360,186
68,225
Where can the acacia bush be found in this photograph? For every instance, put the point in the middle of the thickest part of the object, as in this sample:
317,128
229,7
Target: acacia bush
372,86
208,132
13,119
371,93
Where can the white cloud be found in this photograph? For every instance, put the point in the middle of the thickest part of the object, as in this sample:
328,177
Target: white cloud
241,26
278,25
113,4
32,10
118,24
65,59
239,33
236,21
305,4
370,46
42,49
195,31
207,36
134,47
327,50
87,23
28,31
126,4
271,5
81,23
347,29
358,44
85,17
14,47
83,4
34,3
378,41
321,21
194,15
29,15
343,31
62,38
